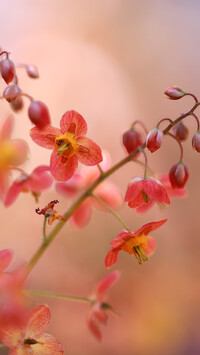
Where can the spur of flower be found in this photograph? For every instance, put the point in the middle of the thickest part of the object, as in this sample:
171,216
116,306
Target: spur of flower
35,182
69,145
13,152
143,193
97,315
137,243
28,336
49,212
107,191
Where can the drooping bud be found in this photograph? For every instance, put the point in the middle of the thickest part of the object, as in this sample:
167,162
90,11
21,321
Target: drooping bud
11,92
174,93
32,71
7,68
181,131
132,140
196,141
17,104
154,139
178,175
39,114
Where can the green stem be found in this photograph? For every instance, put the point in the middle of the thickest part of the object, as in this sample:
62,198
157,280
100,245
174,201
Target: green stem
59,295
44,229
179,143
110,210
99,167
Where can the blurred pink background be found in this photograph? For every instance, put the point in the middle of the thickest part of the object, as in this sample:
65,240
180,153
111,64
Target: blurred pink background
111,61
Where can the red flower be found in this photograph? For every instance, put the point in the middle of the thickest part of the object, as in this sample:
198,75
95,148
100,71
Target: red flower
137,243
143,193
28,337
12,153
97,314
106,191
154,139
179,174
37,181
49,212
69,145
172,191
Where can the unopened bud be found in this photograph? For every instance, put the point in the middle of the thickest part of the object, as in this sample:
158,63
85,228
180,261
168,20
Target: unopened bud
181,131
17,104
154,139
32,71
196,141
178,175
39,114
174,93
7,68
11,92
132,140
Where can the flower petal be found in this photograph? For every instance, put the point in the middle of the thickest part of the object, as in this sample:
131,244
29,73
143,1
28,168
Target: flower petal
144,207
4,183
133,190
63,169
45,137
70,187
47,344
73,122
38,321
106,283
155,190
111,257
82,214
151,245
110,194
39,180
20,151
89,152
147,228
6,256
93,327
13,192
7,128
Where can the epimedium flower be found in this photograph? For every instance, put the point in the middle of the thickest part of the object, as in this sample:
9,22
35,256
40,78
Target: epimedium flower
69,145
28,336
35,182
49,212
13,152
172,191
142,193
98,315
107,191
137,243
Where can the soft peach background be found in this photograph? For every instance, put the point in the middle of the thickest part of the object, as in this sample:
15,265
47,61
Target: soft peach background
111,61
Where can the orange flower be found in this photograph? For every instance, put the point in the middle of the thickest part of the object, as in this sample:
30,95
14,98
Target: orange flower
49,212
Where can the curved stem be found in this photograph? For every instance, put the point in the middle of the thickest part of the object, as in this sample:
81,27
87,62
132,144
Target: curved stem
5,52
180,145
110,210
141,124
194,97
149,170
196,118
27,95
99,167
164,119
59,295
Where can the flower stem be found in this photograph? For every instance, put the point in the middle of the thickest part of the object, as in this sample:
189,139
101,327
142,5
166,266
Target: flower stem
44,229
59,295
180,145
104,204
99,167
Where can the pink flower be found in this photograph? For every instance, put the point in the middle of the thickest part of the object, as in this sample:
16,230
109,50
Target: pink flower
97,314
69,145
137,243
143,193
106,191
12,153
28,337
37,181
172,191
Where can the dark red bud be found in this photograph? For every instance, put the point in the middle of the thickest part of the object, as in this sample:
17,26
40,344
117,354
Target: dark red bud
11,92
154,139
17,104
7,68
181,131
132,140
196,141
174,93
178,175
32,71
39,114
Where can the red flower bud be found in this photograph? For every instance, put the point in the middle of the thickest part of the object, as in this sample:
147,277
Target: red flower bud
154,139
7,68
196,141
39,114
32,71
11,92
178,175
17,104
174,93
181,131
132,140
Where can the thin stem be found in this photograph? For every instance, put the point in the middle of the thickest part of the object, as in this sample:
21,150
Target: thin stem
141,124
110,210
180,145
100,169
27,95
5,52
194,97
196,118
164,119
59,295
145,164
44,229
149,170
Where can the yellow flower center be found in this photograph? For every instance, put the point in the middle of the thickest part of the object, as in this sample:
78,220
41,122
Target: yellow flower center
66,145
134,242
7,154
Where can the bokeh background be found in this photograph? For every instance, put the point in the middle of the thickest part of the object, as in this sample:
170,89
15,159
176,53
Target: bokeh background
111,61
